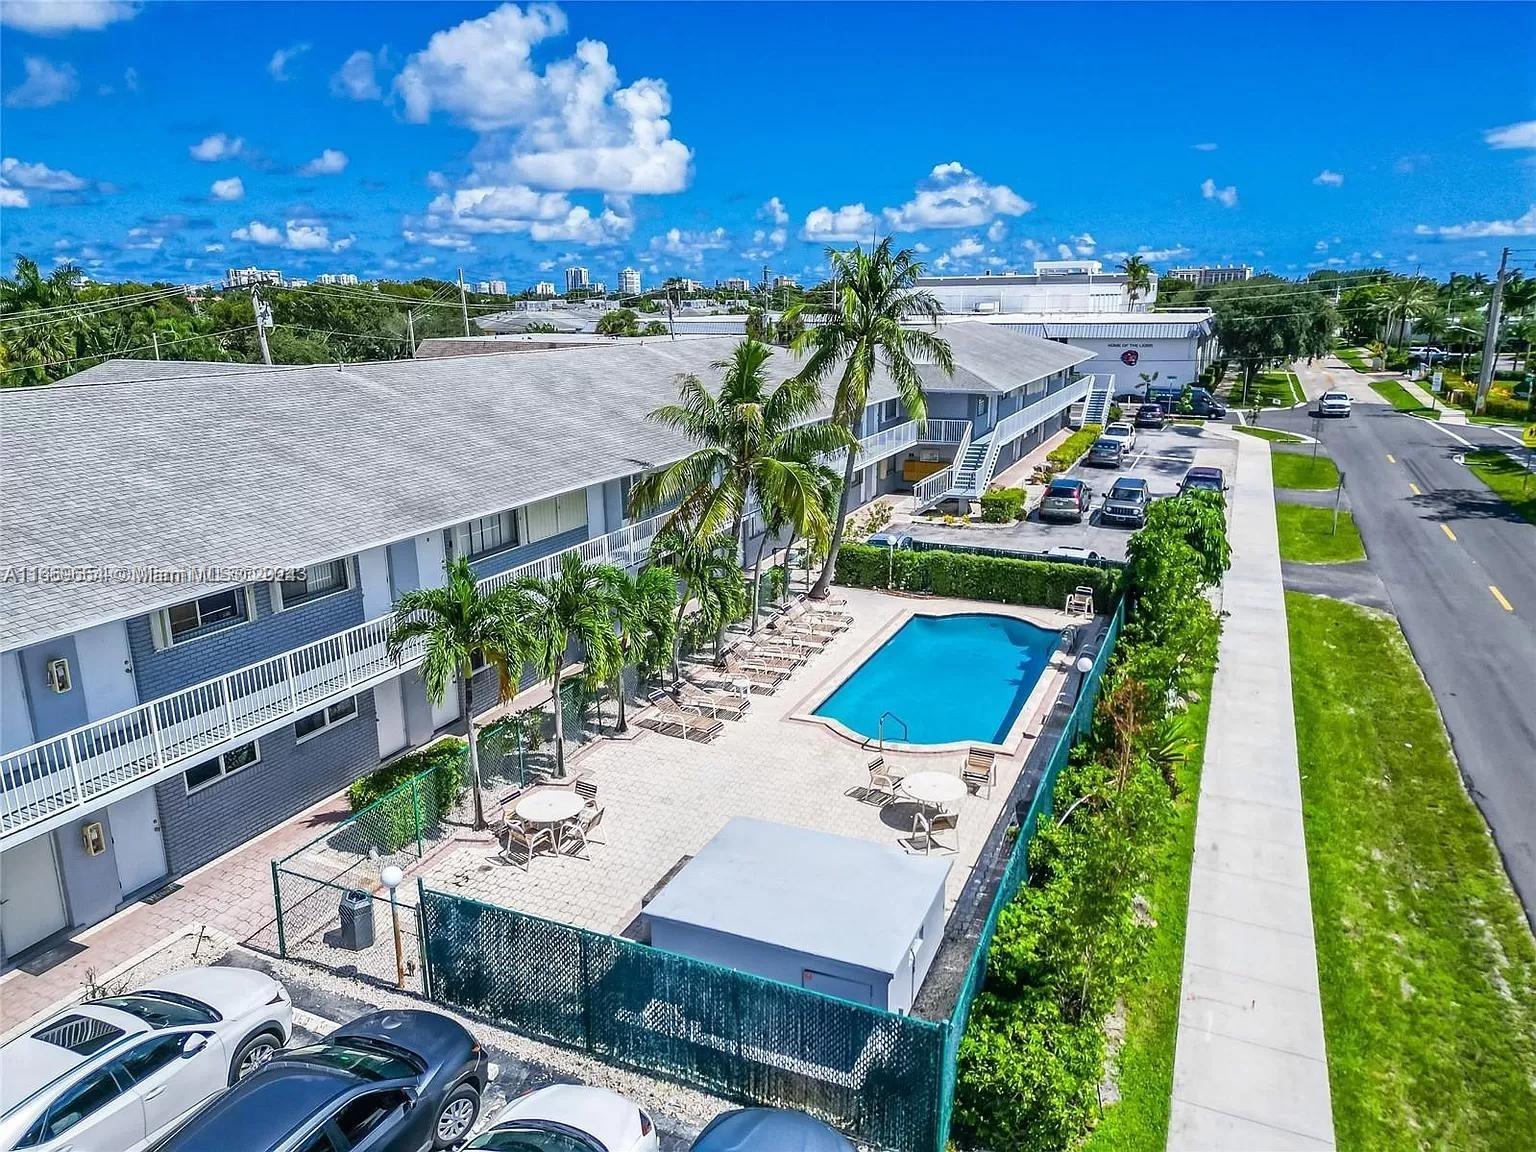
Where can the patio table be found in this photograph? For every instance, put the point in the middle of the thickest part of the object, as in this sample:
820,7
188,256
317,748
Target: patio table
933,789
550,806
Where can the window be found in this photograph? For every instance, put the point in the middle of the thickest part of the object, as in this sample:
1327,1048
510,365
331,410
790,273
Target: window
318,580
561,514
96,1091
486,535
148,1058
185,620
222,765
361,1116
328,717
981,405
161,1009
889,409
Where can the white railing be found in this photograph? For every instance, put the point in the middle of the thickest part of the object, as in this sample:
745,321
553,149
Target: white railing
945,431
931,489
886,443
77,767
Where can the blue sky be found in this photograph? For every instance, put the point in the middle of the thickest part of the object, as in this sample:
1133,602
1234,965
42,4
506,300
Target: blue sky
176,140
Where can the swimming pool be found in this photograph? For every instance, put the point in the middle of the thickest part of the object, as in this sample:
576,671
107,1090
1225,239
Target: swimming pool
951,679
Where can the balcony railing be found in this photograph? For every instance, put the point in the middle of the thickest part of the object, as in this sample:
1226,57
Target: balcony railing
63,773
945,431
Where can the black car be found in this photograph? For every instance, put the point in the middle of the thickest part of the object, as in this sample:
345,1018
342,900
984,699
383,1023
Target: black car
396,1081
768,1130
1151,416
1203,480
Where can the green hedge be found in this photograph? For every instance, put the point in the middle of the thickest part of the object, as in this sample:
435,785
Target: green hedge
966,576
1071,450
388,813
1002,505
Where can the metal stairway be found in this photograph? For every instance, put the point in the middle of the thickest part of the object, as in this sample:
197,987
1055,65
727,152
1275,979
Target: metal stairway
968,469
1096,404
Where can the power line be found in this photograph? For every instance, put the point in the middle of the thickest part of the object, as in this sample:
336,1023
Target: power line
126,353
30,318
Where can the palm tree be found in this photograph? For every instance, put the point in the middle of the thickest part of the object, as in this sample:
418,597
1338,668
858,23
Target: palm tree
1407,300
642,610
755,446
31,339
1138,278
710,575
861,329
577,603
779,519
455,623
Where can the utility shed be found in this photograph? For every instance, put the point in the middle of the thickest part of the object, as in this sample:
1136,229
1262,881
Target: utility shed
848,917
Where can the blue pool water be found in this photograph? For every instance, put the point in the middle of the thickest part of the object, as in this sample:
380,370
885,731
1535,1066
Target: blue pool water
951,678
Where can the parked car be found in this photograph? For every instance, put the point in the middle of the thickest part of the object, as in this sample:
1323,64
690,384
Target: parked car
1203,480
1123,431
401,1081
1427,354
1070,552
1334,403
570,1118
1107,452
769,1130
1151,416
114,1074
1127,502
894,540
1201,402
1066,499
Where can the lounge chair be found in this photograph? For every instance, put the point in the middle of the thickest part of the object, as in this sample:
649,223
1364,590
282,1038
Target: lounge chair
1080,601
526,836
731,705
806,628
725,679
924,825
787,643
758,670
770,656
671,720
822,618
980,770
883,782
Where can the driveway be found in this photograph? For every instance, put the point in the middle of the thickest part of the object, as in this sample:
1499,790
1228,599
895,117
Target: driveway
1161,458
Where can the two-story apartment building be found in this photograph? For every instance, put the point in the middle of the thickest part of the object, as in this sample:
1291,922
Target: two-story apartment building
200,562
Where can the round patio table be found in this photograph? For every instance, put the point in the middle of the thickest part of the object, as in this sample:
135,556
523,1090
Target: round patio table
550,806
934,789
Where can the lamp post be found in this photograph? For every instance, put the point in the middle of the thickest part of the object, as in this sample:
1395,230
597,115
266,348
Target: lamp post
391,877
1084,665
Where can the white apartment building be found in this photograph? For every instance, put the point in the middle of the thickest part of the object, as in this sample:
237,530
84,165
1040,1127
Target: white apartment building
629,281
491,287
736,284
544,289
1207,274
786,282
248,277
577,279
337,279
1054,286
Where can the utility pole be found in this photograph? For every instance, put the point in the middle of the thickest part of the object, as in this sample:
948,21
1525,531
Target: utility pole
410,331
1491,336
263,312
463,302
671,328
154,339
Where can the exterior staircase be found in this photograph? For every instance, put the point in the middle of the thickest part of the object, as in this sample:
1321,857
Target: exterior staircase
968,471
1096,403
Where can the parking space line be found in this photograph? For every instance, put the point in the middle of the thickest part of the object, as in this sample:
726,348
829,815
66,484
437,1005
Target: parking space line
308,1021
1499,596
1446,528
1391,459
1414,488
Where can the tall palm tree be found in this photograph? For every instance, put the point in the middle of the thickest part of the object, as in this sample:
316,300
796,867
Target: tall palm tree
642,611
577,604
755,446
777,520
31,338
456,623
1138,277
1409,297
710,574
861,329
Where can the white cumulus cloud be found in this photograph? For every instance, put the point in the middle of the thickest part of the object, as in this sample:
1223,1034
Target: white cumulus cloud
1152,255
687,245
967,247
45,83
357,79
277,67
1207,147
13,197
231,189
295,235
1328,178
1522,225
40,176
1521,135
440,240
217,147
769,240
54,17
1226,197
328,163
850,222
953,196
1085,244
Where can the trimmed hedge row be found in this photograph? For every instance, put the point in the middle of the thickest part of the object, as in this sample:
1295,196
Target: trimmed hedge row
443,772
1071,450
965,576
1001,505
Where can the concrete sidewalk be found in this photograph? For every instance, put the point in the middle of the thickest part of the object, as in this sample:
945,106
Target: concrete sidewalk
1250,1073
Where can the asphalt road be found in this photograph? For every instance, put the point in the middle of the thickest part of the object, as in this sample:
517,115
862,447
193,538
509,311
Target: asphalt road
1459,567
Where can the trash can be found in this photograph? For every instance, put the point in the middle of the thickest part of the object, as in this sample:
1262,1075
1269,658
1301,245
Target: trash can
356,919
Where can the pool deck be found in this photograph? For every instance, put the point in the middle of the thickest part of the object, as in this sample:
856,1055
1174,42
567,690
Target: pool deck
1025,725
665,798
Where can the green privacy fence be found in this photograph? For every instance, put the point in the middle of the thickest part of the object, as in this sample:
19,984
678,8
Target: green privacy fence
874,1073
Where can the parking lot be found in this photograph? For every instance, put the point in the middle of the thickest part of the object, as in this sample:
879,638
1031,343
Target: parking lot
1160,457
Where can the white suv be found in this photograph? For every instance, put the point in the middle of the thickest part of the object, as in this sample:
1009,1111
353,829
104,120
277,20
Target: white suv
1123,431
115,1074
1334,404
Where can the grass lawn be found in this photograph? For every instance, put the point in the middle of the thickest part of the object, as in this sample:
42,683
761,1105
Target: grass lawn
1138,1122
1400,398
1302,470
1274,435
1278,389
1355,358
1508,478
1427,967
1305,535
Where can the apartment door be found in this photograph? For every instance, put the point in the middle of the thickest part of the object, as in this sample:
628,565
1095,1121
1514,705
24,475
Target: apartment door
136,841
31,901
389,708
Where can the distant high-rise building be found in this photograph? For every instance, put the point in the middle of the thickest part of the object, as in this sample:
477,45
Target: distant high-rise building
786,282
337,279
1208,274
544,288
736,284
296,282
576,279
246,277
629,281
491,287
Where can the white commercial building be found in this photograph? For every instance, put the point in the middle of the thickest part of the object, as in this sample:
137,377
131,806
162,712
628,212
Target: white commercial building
491,287
576,279
247,277
1208,274
629,281
337,279
1054,286
736,284
786,282
544,288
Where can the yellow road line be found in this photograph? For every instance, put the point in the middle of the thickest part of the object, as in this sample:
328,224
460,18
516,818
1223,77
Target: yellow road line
1446,528
1391,459
1499,596
1414,488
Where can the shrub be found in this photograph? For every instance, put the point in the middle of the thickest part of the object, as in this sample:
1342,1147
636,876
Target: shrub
972,576
1071,450
1116,413
1001,505
389,810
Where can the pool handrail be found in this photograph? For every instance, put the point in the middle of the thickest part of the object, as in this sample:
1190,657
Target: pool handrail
881,728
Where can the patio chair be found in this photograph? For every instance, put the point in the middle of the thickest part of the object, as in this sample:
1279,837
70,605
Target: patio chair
724,679
1080,601
754,671
789,644
582,826
528,837
824,617
980,770
671,720
925,824
771,656
581,783
883,781
731,705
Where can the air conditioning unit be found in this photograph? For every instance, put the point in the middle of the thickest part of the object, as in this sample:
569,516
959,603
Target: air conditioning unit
58,675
